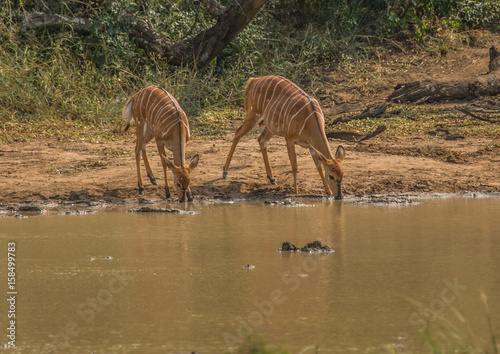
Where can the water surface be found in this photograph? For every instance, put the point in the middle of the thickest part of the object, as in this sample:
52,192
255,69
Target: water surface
114,281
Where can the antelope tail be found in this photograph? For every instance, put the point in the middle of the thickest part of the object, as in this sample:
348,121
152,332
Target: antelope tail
127,113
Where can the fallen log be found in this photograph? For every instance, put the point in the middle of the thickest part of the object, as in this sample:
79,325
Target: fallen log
466,88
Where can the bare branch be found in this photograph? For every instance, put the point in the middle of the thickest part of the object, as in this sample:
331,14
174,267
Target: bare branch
356,137
197,51
470,113
367,113
35,20
214,8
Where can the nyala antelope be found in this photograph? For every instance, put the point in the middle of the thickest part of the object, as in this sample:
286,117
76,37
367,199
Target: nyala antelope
157,114
286,110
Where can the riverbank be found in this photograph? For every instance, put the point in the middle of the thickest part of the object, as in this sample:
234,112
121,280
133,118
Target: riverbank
58,161
50,171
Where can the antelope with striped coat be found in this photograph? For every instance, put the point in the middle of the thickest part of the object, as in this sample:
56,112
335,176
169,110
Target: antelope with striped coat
157,114
286,110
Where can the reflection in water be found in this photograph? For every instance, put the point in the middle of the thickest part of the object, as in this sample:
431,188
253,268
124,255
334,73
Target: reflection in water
167,283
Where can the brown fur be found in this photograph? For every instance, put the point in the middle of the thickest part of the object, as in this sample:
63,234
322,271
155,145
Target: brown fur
282,108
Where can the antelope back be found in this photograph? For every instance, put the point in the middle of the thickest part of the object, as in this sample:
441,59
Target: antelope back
284,107
159,111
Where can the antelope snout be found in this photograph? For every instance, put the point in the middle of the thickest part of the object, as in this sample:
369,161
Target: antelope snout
339,189
183,193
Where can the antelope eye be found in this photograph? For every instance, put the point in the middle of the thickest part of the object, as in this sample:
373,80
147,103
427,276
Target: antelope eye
331,177
178,184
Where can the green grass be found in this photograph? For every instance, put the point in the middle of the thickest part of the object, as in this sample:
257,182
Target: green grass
419,120
59,84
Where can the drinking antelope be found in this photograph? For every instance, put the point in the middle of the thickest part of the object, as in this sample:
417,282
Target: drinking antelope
285,110
158,115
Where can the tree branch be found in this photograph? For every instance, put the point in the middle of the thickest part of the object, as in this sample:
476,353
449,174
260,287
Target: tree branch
356,137
470,113
367,113
197,51
214,8
35,20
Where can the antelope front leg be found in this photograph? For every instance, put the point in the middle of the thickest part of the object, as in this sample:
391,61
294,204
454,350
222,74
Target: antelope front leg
167,189
290,145
138,153
149,171
263,141
161,151
321,171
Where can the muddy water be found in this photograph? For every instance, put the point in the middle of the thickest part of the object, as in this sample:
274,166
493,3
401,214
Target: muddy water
115,281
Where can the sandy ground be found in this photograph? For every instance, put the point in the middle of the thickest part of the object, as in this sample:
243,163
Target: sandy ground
48,171
53,171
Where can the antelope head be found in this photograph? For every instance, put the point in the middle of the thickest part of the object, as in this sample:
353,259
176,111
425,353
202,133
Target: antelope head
181,177
334,170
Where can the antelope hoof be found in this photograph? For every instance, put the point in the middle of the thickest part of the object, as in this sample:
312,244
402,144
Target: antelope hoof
272,180
338,197
141,190
167,193
224,174
153,180
190,198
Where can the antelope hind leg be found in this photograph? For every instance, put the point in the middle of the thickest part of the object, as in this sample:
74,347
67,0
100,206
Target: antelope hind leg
263,141
248,124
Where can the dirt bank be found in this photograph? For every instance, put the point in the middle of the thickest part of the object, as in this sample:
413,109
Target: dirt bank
53,171
414,161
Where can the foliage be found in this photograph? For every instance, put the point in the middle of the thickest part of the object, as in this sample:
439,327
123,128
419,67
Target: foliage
61,74
419,19
257,345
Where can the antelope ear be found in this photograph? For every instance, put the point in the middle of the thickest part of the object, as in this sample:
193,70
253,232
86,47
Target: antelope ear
340,153
321,157
194,162
168,163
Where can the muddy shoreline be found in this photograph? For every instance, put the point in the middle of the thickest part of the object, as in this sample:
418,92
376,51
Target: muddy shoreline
93,204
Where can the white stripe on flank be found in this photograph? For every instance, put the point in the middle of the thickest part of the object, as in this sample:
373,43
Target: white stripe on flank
147,103
257,89
162,126
141,95
295,115
274,91
170,126
160,104
305,121
161,113
284,115
167,115
271,112
296,99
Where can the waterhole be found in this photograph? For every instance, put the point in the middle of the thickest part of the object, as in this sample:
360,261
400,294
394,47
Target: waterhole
163,282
